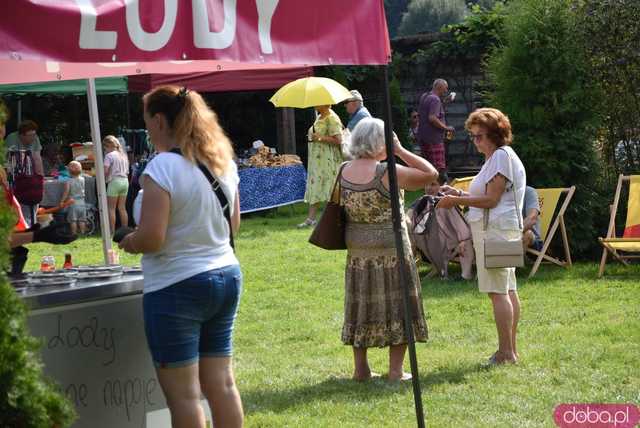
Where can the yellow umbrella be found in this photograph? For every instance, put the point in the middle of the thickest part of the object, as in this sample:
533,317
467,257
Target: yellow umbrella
310,92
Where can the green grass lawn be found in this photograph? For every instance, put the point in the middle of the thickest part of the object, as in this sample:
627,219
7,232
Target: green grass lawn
579,340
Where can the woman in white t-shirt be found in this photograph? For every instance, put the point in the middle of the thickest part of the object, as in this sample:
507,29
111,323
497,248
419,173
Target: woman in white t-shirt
493,190
116,171
192,279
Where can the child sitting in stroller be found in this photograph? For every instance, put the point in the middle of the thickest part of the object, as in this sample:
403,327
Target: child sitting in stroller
440,235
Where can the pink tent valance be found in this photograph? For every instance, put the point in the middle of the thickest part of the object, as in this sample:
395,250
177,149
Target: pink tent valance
220,81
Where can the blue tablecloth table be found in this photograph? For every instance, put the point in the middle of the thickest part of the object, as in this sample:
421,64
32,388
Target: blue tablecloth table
264,188
260,188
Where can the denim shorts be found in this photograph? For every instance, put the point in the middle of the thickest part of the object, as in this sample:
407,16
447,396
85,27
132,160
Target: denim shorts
193,318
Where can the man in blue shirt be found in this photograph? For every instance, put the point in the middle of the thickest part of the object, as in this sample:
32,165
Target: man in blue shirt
531,215
356,110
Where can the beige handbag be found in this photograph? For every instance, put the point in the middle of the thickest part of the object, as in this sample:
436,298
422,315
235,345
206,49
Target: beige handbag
504,253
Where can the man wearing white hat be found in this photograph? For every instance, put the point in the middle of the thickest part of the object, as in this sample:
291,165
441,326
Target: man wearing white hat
356,110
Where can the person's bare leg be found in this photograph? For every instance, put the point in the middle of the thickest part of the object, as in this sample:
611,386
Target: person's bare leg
396,360
466,260
515,303
182,390
112,202
74,227
122,211
313,211
503,315
82,225
361,370
311,217
219,386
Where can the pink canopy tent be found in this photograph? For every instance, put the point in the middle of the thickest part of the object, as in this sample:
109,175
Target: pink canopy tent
247,32
39,36
127,38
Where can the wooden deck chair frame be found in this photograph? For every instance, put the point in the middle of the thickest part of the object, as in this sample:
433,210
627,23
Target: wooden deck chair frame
557,221
611,232
462,183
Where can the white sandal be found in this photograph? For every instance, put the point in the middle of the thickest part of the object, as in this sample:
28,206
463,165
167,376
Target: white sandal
308,222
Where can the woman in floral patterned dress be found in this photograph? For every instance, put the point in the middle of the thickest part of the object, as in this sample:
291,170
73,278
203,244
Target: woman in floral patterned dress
324,159
373,309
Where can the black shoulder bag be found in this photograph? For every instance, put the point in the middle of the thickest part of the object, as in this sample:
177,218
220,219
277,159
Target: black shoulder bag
217,189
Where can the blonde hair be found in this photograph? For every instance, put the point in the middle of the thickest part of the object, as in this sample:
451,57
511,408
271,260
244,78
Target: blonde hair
194,125
495,122
116,143
112,140
75,168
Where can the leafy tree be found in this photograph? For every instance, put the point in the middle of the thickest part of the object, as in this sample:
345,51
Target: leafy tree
541,81
430,15
394,9
466,45
471,39
484,4
610,35
26,398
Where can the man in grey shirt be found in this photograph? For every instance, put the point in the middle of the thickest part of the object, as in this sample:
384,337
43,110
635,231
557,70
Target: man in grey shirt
26,138
531,215
357,111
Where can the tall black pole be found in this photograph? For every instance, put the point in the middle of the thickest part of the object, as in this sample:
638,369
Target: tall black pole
397,230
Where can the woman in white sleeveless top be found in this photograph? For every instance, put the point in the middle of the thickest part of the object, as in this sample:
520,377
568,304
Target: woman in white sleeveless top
192,278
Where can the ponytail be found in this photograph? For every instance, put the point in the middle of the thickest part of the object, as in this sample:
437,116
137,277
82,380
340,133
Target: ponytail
195,126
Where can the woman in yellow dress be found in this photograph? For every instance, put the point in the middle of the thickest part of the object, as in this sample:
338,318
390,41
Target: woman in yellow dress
325,157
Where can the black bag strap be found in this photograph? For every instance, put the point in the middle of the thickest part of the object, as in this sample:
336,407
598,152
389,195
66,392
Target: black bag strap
217,189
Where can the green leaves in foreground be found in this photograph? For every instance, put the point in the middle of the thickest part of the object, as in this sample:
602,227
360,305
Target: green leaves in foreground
27,399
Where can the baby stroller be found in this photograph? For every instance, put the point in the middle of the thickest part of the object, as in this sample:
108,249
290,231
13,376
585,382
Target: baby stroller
440,236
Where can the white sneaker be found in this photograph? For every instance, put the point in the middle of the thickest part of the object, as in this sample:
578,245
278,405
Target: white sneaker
308,222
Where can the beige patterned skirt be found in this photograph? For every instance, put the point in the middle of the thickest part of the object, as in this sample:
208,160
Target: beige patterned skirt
373,306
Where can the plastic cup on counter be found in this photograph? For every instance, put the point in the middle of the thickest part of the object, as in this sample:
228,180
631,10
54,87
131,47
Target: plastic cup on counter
47,264
113,258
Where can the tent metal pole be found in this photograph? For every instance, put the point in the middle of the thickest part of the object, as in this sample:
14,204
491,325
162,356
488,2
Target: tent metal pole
94,121
126,98
397,230
19,115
